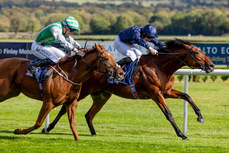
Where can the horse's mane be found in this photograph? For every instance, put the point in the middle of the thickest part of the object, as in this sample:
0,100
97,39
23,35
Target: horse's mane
89,51
171,44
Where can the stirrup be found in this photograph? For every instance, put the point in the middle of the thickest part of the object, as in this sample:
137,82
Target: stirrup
31,72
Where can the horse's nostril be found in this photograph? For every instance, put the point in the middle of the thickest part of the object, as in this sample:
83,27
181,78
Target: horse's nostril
121,74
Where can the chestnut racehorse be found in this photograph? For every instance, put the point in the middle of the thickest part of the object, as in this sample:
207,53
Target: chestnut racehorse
154,80
63,86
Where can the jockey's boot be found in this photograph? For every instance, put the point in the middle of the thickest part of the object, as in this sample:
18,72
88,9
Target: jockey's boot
39,63
124,61
45,62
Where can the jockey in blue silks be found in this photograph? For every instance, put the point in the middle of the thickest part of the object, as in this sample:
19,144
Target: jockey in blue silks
126,39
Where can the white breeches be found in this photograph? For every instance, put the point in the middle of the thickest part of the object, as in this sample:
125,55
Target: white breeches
49,52
127,49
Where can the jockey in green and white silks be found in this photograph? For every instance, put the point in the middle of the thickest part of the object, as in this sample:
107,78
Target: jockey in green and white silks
56,32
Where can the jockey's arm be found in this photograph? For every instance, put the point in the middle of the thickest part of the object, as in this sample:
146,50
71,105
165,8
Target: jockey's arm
57,33
77,47
139,40
157,43
73,42
143,43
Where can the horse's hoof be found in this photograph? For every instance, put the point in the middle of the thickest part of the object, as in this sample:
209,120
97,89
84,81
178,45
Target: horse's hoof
185,138
44,131
201,120
77,139
93,133
16,131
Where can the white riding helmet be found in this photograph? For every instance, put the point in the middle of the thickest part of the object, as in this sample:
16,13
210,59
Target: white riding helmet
71,22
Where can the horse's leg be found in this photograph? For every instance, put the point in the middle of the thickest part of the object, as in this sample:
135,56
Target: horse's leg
159,99
71,117
99,99
177,94
52,125
45,109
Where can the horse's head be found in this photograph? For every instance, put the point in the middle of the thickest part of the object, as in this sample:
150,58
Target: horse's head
194,57
107,64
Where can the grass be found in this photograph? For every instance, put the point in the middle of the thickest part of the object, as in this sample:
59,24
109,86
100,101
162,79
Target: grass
123,125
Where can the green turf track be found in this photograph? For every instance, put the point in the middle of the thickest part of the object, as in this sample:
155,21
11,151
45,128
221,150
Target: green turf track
123,125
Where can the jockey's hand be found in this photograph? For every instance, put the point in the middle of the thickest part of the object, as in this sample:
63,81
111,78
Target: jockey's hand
75,50
79,52
152,51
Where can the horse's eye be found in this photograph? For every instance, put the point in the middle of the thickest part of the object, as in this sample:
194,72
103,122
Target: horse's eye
105,59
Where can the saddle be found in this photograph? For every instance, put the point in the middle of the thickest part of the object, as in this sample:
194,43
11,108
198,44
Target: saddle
41,74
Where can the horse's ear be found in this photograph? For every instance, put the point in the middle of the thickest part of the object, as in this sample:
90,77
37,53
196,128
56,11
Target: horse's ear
101,46
185,45
95,46
98,48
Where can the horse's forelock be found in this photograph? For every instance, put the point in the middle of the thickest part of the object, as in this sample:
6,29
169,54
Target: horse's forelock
68,58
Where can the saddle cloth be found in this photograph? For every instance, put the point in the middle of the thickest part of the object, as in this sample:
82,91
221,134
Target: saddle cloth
43,73
129,70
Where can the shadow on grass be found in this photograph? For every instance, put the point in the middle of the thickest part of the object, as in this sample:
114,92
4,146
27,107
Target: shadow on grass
9,137
40,133
6,131
80,134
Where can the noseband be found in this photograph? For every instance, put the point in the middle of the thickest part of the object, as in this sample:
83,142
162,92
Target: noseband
101,61
194,58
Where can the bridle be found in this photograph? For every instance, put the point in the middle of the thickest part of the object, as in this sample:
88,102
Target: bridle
189,52
65,76
100,63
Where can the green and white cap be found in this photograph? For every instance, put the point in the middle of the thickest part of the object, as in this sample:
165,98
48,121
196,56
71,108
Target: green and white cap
71,22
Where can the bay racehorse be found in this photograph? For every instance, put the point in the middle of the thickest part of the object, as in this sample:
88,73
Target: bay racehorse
63,86
154,80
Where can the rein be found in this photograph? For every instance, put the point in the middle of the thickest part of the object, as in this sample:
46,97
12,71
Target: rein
171,53
65,76
185,63
101,61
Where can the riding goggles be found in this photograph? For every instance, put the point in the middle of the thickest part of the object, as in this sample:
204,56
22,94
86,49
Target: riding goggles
149,37
71,30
